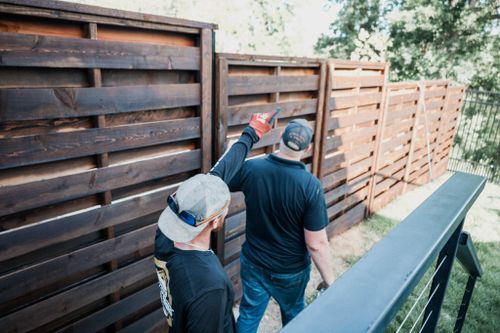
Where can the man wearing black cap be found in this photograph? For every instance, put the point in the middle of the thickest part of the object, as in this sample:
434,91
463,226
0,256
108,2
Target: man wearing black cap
286,219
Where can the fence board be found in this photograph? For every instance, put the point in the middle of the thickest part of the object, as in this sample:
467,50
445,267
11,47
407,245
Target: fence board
56,146
29,104
46,51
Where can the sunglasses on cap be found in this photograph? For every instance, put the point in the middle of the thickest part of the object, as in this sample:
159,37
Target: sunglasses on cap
186,216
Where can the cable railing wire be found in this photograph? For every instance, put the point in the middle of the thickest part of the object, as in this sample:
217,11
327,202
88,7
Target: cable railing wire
421,294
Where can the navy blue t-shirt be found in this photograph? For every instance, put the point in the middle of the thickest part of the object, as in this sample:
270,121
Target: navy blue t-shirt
282,199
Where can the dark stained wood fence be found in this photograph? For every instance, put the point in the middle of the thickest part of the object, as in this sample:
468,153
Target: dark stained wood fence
102,114
354,106
250,84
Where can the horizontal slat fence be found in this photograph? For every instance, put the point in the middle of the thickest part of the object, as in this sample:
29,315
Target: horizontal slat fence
372,141
250,84
102,114
432,104
401,111
353,110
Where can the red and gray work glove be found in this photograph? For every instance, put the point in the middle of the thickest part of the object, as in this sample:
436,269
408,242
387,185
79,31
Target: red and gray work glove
263,122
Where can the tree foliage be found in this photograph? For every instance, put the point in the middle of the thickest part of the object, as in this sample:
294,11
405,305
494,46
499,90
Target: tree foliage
422,39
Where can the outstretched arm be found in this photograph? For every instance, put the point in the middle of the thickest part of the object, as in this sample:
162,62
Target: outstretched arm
231,161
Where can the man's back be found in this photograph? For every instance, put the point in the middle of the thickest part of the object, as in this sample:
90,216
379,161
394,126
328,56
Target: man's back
282,198
199,289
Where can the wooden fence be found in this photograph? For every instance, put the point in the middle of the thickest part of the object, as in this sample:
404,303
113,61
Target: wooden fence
250,84
114,111
353,109
103,113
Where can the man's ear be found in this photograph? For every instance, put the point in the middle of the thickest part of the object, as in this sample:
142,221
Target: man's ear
309,147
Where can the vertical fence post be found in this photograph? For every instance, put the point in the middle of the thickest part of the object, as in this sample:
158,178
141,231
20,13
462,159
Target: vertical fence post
440,281
320,110
326,117
220,114
206,99
378,141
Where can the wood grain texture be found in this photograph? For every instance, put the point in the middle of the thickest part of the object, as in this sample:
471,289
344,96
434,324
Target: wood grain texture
68,7
48,191
59,52
29,104
56,146
63,303
243,85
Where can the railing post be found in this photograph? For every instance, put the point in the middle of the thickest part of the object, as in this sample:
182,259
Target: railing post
440,281
469,288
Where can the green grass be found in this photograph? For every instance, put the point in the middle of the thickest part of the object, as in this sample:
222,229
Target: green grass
484,310
380,225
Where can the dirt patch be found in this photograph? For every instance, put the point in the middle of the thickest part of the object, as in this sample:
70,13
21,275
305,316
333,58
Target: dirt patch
483,222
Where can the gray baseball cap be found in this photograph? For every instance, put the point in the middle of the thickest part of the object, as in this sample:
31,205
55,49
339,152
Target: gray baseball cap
202,197
297,135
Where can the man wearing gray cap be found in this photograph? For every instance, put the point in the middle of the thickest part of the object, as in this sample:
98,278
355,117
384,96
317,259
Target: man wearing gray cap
195,292
285,226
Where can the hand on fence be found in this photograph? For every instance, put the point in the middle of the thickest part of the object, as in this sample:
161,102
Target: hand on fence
263,122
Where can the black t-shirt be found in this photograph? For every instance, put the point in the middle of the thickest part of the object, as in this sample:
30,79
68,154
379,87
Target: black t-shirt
282,199
202,295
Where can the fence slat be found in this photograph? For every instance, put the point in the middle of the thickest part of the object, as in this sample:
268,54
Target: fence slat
243,85
29,104
46,51
56,146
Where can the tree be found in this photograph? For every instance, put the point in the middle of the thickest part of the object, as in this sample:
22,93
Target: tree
422,39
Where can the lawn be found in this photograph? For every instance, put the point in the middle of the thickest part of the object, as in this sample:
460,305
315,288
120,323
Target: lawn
484,310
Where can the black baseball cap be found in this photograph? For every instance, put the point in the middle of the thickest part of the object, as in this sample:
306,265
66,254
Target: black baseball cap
297,135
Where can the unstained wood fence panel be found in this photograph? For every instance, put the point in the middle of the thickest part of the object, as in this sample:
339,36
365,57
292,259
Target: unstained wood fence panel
251,84
353,110
424,147
448,127
102,114
398,121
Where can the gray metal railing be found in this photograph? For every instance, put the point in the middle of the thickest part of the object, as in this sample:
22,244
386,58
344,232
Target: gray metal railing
367,297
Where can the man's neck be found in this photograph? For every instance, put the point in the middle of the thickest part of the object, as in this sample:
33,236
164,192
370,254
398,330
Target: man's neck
200,242
284,156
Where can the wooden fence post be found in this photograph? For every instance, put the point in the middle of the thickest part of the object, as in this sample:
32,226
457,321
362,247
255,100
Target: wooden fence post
206,99
326,116
320,111
378,141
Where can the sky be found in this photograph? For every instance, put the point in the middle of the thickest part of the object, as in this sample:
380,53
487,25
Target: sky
241,22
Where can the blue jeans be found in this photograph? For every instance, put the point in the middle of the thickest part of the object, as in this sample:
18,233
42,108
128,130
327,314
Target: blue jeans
259,284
